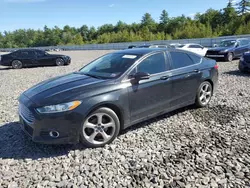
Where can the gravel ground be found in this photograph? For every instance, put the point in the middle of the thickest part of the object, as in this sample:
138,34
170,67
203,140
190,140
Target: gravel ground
207,147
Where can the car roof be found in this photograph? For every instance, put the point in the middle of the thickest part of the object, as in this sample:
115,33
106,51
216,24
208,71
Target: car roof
144,51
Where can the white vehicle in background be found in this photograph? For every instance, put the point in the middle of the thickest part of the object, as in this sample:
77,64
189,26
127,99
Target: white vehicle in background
195,48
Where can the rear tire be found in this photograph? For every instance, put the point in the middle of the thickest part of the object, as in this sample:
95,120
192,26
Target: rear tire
60,62
16,64
230,57
204,94
101,127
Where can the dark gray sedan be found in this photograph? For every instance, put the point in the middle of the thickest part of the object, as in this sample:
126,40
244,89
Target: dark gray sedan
114,92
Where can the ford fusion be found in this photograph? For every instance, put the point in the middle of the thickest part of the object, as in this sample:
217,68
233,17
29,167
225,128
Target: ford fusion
114,92
33,57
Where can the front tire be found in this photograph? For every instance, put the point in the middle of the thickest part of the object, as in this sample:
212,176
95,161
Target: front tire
59,62
16,64
230,57
204,94
101,127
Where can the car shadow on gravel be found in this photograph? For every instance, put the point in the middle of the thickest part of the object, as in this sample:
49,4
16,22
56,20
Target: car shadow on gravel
237,73
15,144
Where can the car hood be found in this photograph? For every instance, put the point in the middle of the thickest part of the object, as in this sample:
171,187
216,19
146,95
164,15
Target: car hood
63,88
221,48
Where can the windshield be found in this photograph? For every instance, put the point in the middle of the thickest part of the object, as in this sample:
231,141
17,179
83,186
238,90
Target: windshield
227,43
110,66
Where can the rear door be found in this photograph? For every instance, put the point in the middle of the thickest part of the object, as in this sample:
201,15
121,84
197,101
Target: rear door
27,57
152,96
185,78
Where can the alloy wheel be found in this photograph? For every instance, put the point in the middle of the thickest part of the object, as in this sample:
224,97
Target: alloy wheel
205,93
99,128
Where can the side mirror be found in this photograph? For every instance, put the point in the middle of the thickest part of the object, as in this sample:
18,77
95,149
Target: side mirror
237,45
140,76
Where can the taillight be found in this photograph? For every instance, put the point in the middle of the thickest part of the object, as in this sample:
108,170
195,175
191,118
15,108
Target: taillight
216,67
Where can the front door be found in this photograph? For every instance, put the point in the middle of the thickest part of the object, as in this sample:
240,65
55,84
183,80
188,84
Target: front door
150,97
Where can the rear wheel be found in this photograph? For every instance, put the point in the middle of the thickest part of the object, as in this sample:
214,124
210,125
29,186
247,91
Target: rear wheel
101,127
16,64
229,57
204,94
59,62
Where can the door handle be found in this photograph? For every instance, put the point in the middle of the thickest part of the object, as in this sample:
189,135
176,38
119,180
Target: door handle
164,78
196,71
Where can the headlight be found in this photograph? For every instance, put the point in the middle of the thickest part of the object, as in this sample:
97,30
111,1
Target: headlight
242,58
59,107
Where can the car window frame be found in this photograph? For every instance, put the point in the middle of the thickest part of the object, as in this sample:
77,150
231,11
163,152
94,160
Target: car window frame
171,61
124,77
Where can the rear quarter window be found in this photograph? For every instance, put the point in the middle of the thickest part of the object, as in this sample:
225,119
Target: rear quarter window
180,60
196,59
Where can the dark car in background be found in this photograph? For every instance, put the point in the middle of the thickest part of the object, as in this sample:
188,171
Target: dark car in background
244,64
229,49
114,92
33,57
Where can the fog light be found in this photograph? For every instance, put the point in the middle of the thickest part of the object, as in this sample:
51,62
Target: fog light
54,134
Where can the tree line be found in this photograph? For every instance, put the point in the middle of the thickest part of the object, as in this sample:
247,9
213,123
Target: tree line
234,19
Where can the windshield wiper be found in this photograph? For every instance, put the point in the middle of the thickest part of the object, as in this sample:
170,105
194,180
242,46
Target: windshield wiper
93,76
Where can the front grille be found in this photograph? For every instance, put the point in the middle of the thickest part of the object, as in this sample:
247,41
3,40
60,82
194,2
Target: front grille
212,52
26,113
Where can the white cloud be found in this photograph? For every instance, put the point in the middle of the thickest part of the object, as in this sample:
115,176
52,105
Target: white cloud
112,5
23,1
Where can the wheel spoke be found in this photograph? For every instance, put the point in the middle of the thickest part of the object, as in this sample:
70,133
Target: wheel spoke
202,97
105,136
208,93
206,88
110,124
99,118
92,137
90,125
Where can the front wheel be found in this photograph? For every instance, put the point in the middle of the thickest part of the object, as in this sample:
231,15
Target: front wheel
229,57
16,64
101,127
204,94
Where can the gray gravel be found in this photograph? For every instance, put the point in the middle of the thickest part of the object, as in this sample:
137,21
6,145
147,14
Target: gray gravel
207,147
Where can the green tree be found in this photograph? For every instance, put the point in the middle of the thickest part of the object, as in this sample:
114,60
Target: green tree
243,6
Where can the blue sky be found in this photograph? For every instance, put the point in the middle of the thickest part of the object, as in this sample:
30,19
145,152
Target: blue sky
16,14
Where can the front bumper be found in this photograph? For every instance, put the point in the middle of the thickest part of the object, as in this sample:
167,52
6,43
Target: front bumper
66,124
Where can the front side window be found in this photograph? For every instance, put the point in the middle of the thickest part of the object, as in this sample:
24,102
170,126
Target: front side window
244,42
110,66
180,60
153,64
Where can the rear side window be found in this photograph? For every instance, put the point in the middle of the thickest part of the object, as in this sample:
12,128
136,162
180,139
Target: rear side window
153,64
180,60
196,59
27,53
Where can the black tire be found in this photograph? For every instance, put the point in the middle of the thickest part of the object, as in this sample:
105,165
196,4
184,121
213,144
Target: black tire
60,62
200,101
241,68
92,128
16,64
230,57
